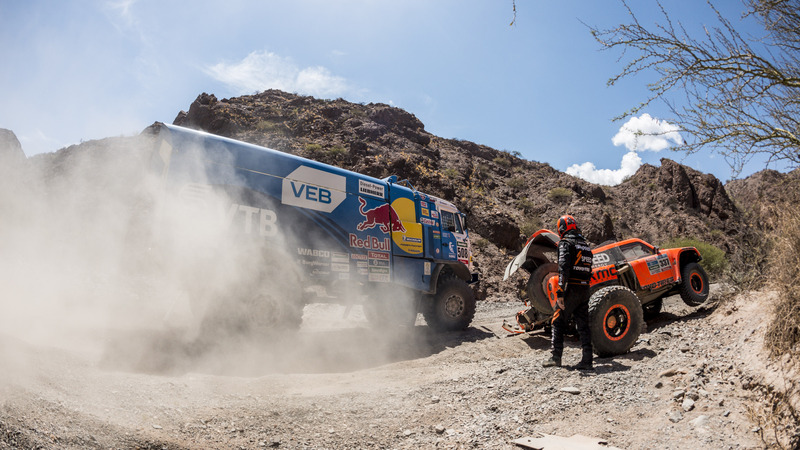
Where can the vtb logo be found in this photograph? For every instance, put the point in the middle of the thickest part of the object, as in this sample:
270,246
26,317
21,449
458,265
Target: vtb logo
383,216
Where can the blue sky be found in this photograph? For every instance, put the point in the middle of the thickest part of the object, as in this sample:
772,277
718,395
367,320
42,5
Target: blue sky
90,69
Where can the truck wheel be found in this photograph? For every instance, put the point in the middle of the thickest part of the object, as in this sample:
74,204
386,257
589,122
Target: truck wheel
694,284
453,306
255,316
271,310
537,287
652,309
271,302
615,320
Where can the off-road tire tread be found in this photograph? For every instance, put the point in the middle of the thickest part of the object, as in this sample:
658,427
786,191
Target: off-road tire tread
431,311
688,295
602,346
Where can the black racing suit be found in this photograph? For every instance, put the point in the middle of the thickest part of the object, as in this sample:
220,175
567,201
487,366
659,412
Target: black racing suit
574,275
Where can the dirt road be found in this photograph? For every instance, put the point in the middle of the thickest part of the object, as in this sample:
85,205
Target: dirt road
339,384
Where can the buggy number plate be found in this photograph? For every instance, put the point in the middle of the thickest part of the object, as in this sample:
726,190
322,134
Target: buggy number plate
658,264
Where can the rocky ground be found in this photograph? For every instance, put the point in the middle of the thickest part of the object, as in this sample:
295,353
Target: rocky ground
687,383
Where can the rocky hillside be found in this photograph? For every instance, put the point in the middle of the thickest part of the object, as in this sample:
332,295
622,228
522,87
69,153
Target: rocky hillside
758,194
505,196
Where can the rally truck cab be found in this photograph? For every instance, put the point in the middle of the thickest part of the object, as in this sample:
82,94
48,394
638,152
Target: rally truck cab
298,231
630,279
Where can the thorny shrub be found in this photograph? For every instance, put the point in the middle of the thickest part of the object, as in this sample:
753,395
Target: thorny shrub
531,225
559,195
714,260
747,262
783,335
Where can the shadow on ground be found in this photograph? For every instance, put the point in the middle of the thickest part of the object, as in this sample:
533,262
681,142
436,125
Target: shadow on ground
343,350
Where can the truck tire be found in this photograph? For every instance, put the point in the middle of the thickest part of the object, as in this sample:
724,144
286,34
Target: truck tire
652,309
537,287
615,320
270,302
453,306
694,284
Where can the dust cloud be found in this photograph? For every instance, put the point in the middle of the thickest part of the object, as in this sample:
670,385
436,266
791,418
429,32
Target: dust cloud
98,259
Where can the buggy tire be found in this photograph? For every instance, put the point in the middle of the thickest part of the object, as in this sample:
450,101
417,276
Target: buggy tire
453,306
536,287
615,320
652,309
694,284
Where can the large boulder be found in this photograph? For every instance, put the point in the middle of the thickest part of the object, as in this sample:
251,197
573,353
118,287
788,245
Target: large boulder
699,191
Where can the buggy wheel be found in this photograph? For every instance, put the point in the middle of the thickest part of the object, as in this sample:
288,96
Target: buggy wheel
694,284
537,287
615,320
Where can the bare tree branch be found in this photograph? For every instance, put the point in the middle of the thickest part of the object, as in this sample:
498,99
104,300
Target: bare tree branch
514,9
741,96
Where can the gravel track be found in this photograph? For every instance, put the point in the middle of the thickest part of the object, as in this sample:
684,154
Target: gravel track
687,383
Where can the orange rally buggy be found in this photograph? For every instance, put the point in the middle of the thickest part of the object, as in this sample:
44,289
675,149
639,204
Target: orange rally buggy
630,279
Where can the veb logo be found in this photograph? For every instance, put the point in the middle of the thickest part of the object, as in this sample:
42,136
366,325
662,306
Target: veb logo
315,189
383,216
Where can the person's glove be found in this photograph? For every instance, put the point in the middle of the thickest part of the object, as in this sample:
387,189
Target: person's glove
560,297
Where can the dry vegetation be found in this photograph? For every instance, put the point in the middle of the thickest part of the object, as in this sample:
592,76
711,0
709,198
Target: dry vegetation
784,333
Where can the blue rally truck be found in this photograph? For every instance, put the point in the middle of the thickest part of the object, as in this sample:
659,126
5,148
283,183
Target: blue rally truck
321,234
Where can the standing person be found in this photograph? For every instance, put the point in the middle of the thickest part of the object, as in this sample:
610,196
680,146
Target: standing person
574,274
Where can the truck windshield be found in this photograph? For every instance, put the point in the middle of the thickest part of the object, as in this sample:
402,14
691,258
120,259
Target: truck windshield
451,222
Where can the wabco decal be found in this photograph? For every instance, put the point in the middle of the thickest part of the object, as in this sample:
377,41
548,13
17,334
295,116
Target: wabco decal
315,189
603,275
313,252
264,219
383,216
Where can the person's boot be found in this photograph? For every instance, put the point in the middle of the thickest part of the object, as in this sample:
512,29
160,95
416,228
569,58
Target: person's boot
585,365
552,362
586,362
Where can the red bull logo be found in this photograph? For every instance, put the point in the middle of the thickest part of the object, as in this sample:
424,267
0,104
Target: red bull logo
383,216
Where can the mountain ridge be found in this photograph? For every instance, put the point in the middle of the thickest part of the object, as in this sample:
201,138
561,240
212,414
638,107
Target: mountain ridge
505,196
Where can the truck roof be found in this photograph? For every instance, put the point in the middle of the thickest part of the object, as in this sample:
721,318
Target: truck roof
250,157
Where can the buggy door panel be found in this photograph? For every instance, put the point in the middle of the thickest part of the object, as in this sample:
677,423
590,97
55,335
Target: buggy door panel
652,270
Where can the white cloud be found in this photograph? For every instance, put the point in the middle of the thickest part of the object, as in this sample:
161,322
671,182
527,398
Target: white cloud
263,70
587,171
641,133
646,133
123,7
